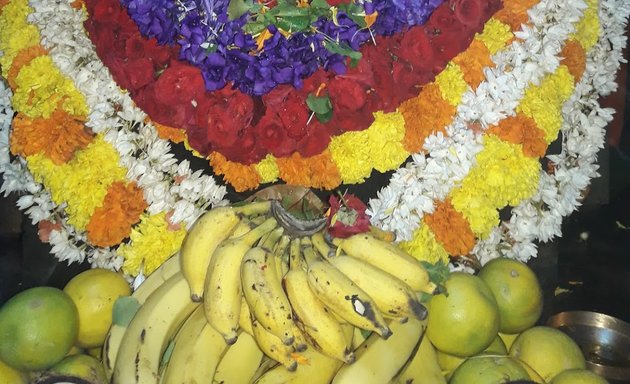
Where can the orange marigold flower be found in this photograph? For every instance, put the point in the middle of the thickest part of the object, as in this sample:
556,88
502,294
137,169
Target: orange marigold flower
58,137
451,229
514,13
21,59
111,223
319,171
424,115
472,61
522,130
176,135
241,177
574,57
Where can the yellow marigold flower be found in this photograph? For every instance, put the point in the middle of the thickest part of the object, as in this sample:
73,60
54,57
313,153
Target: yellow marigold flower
385,137
268,169
588,28
481,215
452,84
151,243
81,183
425,247
41,88
352,156
15,34
543,103
495,35
503,174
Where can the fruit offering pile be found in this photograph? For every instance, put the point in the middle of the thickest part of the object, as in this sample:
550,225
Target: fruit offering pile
259,294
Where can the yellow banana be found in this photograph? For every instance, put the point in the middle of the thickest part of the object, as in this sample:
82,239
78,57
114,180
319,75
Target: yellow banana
282,266
222,301
117,330
388,257
150,330
239,363
245,318
205,235
323,330
263,292
422,368
315,368
392,296
196,353
341,295
273,347
379,360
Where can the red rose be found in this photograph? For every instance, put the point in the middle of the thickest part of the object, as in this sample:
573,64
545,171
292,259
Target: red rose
380,59
315,140
350,105
272,135
468,12
140,72
291,108
347,216
247,150
225,114
104,11
346,95
409,80
179,83
415,48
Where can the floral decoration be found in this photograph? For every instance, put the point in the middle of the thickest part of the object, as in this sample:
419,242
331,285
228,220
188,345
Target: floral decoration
94,167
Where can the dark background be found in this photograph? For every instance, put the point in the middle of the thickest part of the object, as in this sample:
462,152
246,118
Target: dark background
587,268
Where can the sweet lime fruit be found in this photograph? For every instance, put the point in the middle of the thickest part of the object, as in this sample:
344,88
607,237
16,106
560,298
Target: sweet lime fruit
94,292
508,338
464,320
517,291
548,351
449,363
578,376
10,375
38,327
85,367
488,369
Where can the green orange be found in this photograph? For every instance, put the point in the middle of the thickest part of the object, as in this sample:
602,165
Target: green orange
464,320
517,291
548,351
37,328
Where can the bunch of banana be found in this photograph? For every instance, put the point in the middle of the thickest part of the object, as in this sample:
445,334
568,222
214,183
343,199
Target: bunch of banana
256,295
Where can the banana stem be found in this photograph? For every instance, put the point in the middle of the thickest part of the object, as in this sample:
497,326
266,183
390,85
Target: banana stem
270,239
322,246
254,208
308,252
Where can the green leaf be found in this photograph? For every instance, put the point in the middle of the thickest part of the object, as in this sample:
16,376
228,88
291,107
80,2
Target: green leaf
324,117
254,27
320,5
294,23
125,308
319,104
438,274
238,8
342,50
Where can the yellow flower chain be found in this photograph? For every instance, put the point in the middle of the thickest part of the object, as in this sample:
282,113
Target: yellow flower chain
15,33
82,182
152,242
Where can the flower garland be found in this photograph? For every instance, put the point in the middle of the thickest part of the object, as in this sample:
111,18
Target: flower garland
541,80
254,140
